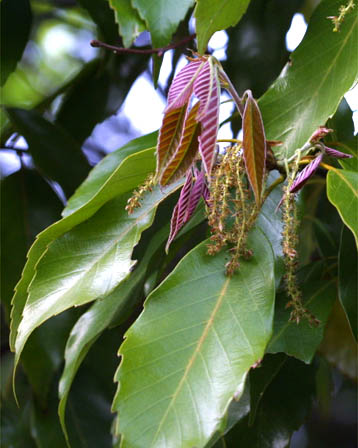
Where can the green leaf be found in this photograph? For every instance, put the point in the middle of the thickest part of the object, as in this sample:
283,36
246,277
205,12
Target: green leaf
54,152
129,22
308,92
254,146
342,191
198,328
102,15
162,17
86,263
102,172
28,206
101,314
16,21
348,278
212,16
121,178
319,297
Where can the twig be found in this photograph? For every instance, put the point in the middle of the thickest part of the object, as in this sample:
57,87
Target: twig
158,51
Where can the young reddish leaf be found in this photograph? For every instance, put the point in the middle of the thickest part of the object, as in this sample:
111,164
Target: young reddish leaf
169,135
177,220
207,89
254,146
338,154
182,86
188,200
305,174
186,150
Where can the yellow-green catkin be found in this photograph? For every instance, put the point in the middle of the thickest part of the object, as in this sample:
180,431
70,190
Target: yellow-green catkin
343,11
135,200
232,211
289,247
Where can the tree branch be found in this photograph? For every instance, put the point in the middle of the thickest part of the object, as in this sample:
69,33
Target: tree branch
158,51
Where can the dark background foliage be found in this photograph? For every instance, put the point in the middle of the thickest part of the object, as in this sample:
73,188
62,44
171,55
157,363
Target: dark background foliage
59,118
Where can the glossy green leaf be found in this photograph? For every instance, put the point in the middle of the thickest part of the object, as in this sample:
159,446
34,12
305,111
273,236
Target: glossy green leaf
254,146
16,21
86,263
342,191
348,278
129,22
103,171
121,178
162,17
101,314
102,15
197,326
54,152
28,205
302,340
308,91
212,16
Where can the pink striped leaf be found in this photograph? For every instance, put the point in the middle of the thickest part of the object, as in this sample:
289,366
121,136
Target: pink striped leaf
169,136
338,154
207,89
306,173
187,203
179,211
186,151
181,88
254,146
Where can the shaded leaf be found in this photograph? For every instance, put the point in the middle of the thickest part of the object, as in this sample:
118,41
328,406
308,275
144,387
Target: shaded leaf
348,278
186,150
28,206
129,22
254,146
162,17
54,152
298,103
86,263
339,346
121,178
318,299
207,89
308,171
102,15
213,16
16,21
169,136
168,368
342,191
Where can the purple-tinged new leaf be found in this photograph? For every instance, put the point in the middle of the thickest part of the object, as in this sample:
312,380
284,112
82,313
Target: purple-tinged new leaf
207,89
338,154
254,146
186,151
182,85
169,136
306,173
195,195
179,211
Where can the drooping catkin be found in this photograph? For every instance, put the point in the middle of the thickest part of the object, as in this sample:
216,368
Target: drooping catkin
135,200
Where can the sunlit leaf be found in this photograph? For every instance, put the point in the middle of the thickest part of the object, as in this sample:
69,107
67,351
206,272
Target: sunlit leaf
342,191
129,22
254,146
167,362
